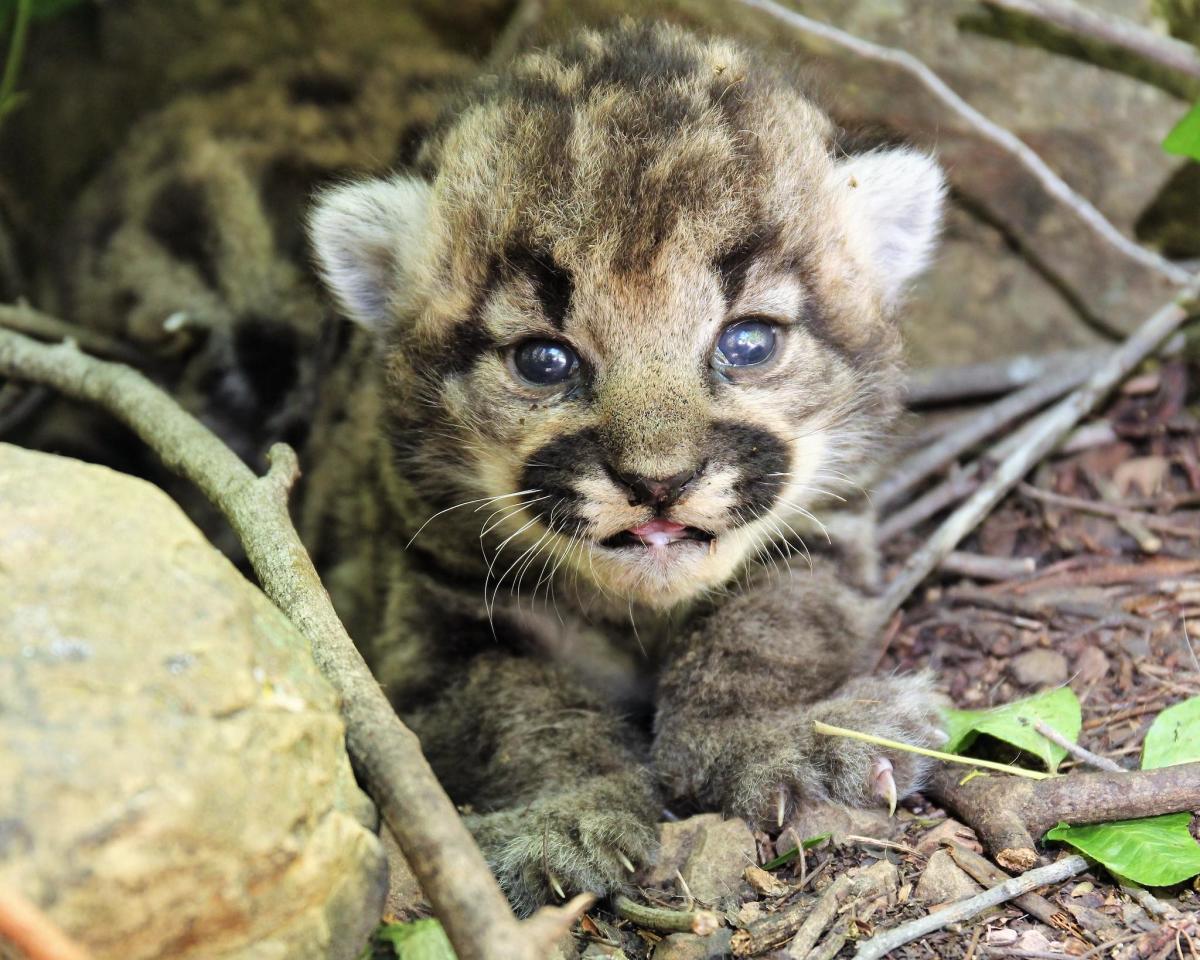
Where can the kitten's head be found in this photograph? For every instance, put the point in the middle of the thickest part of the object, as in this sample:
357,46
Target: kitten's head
633,293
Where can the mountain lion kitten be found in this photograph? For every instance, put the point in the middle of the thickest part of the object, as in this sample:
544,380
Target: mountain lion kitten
632,318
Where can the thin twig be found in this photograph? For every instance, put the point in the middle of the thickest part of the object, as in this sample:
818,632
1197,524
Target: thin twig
960,484
26,927
882,944
981,566
989,378
1050,181
989,875
1081,754
803,922
962,437
1033,442
886,844
1110,29
1148,901
520,25
832,731
1099,507
33,323
833,944
443,856
700,922
1046,604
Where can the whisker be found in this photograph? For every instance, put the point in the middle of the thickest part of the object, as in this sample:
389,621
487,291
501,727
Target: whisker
467,503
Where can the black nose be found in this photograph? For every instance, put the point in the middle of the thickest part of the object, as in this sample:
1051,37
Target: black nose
648,492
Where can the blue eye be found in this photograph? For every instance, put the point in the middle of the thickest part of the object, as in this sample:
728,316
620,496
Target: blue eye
545,361
745,344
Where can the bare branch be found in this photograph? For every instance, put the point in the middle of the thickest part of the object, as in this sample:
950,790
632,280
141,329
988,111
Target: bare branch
1009,815
981,566
1109,28
987,874
1033,442
974,381
962,437
883,943
521,23
1050,181
1148,520
436,844
803,922
24,319
959,484
702,923
1082,754
26,927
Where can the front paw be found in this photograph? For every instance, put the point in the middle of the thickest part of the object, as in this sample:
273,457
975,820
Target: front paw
792,765
591,838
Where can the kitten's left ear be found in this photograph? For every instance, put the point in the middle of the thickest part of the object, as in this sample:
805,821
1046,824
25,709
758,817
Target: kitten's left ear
896,198
367,238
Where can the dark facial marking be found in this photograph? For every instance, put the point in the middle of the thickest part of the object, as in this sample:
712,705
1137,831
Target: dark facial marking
469,340
551,469
756,454
552,285
813,313
734,265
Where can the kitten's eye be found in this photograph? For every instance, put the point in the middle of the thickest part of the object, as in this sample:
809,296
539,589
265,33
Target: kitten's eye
545,361
745,343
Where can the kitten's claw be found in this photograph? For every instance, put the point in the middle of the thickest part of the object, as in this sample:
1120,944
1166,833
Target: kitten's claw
883,783
626,863
781,796
556,886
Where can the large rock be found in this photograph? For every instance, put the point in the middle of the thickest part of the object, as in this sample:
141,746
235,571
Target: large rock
173,778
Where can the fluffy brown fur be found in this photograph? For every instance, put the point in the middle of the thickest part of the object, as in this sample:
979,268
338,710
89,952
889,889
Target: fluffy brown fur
625,197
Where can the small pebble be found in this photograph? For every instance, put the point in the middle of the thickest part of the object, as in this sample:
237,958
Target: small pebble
1039,668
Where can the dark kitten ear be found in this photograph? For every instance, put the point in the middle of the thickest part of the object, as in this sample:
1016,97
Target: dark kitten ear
896,198
366,237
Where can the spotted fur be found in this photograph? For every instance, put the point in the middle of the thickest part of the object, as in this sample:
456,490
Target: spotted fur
628,194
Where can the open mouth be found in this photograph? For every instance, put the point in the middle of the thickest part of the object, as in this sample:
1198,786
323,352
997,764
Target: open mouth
657,533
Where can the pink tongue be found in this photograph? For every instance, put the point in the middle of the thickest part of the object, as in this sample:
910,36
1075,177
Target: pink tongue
657,526
658,532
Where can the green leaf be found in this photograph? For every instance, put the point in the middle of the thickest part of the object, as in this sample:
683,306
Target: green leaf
1174,737
1013,723
1152,851
419,940
791,855
1184,138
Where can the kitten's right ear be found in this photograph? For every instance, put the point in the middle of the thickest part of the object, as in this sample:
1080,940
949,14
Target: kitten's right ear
366,237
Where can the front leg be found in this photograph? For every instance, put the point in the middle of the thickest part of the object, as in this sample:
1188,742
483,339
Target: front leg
739,696
563,800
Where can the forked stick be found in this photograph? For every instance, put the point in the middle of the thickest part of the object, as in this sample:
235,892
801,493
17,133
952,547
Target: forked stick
1010,815
436,844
